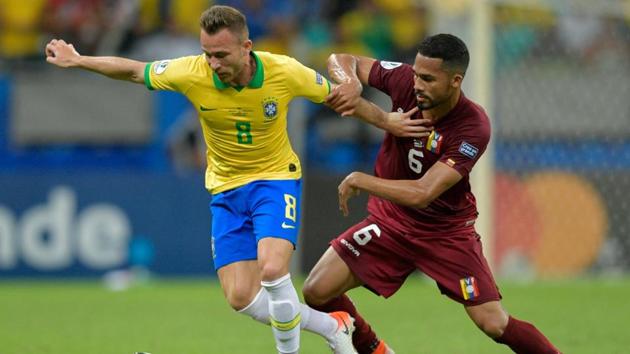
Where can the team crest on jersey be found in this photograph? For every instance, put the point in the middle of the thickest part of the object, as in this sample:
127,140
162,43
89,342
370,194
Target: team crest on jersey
390,64
270,108
434,142
161,67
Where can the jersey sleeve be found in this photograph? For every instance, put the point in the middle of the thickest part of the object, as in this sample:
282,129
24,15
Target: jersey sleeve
391,77
170,75
464,149
306,82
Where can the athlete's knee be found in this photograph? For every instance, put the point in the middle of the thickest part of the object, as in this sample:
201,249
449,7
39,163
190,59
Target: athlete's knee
270,271
315,293
492,324
274,256
490,318
240,296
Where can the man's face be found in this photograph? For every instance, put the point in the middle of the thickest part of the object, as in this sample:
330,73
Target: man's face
433,85
225,53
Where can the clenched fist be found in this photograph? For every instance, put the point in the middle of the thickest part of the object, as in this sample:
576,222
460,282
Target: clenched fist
62,54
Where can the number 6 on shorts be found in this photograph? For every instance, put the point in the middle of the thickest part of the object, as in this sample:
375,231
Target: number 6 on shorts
363,236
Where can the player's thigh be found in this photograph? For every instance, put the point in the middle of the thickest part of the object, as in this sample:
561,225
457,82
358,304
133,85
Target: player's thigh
374,254
275,209
457,264
233,237
330,278
240,282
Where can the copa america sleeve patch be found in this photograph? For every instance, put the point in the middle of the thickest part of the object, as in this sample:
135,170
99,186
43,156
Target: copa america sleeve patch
319,79
468,150
390,64
161,67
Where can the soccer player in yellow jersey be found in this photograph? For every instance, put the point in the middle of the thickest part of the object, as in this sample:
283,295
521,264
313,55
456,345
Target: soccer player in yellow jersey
253,174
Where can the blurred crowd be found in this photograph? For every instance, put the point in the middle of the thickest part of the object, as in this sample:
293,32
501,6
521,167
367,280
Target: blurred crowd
154,29
309,30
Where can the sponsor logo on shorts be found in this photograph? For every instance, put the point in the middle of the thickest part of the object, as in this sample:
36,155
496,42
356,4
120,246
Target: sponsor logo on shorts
350,247
468,150
287,226
214,255
469,287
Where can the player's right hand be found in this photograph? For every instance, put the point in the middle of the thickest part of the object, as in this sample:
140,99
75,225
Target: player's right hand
344,97
404,125
346,190
62,54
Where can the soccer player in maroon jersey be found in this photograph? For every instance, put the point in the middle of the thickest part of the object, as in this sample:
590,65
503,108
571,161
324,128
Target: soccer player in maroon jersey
421,209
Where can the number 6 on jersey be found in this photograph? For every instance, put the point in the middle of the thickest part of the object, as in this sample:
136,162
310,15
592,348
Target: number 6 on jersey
414,163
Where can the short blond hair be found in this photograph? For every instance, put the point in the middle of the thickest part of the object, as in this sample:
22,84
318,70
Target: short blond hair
219,17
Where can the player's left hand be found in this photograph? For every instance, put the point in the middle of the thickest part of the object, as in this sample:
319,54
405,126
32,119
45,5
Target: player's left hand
403,125
348,189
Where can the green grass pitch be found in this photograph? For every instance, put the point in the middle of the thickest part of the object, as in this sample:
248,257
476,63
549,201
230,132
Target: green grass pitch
191,317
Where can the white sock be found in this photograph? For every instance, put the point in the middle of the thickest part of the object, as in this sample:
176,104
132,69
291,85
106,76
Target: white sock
258,309
284,313
318,322
312,320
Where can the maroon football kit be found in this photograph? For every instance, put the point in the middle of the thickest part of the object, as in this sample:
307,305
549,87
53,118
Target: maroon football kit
439,240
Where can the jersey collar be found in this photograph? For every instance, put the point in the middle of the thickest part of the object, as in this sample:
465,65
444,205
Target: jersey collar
256,81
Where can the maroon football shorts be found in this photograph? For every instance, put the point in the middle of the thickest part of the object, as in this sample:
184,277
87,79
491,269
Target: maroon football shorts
383,258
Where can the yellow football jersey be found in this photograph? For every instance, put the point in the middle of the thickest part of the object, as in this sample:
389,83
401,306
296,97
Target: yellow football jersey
244,127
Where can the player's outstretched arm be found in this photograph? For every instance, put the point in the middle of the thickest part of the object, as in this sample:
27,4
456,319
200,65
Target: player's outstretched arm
413,193
63,55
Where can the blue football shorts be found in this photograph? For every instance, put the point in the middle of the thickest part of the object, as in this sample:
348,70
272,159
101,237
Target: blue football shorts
244,215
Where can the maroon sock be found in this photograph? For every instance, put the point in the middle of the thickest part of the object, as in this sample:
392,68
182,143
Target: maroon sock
364,339
523,338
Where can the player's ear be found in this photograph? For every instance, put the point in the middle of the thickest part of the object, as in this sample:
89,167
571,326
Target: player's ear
456,80
248,44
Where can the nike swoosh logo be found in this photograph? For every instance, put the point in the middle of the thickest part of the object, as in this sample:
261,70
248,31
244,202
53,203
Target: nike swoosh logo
345,327
286,226
205,109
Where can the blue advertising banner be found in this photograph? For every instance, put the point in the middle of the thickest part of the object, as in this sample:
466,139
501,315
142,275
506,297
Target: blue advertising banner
89,223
